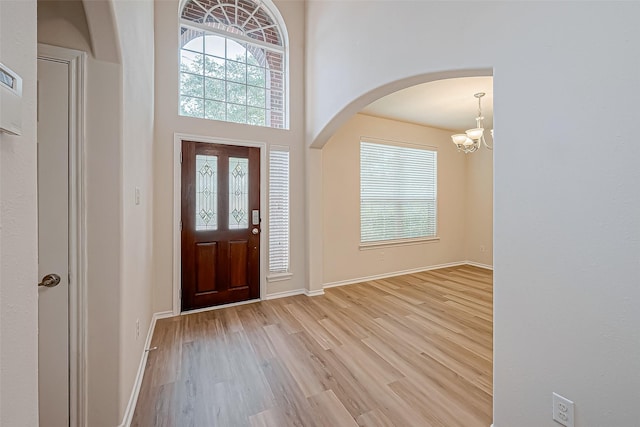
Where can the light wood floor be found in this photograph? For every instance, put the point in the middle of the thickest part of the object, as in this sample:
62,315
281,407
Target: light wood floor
410,351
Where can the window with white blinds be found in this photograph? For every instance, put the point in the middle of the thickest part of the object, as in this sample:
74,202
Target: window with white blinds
398,192
279,210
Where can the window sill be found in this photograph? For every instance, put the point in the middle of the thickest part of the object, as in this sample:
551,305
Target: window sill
277,277
403,242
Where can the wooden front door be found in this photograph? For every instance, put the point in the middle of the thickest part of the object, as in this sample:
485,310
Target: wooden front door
220,224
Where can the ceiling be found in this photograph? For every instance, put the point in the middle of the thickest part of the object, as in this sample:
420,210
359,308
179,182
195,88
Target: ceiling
446,104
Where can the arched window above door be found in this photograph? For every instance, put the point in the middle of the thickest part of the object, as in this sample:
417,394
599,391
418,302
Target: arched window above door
233,62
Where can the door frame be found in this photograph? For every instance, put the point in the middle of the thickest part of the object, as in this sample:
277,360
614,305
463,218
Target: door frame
76,61
177,213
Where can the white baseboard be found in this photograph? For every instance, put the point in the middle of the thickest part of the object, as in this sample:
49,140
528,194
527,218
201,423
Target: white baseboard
131,406
285,294
392,274
219,307
477,264
314,293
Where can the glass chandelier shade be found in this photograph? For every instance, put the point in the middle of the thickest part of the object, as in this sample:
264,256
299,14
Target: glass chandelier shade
472,139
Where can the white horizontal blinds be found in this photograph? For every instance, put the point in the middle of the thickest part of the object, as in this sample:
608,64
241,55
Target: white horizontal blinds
398,189
279,210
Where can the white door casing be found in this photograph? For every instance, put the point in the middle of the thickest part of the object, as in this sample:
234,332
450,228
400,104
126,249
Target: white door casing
62,247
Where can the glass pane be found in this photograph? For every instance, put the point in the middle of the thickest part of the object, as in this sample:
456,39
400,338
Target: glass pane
236,93
191,85
236,113
274,61
238,193
214,45
398,192
275,100
206,192
193,107
214,89
276,81
236,51
190,62
256,116
256,56
236,72
214,110
214,67
196,41
255,76
256,96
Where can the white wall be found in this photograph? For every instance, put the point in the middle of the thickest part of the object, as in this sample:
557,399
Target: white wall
567,231
18,234
343,259
478,235
167,122
119,158
64,24
135,31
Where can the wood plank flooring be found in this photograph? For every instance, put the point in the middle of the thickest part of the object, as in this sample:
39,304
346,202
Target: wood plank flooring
413,350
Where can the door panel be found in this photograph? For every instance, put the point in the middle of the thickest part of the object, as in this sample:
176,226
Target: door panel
53,242
207,259
220,244
238,260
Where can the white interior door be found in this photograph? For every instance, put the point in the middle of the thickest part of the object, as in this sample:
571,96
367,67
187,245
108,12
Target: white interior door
53,242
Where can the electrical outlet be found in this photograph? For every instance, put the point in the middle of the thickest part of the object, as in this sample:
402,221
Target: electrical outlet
562,410
137,195
137,328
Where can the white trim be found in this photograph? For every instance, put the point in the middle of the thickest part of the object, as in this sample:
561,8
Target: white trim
278,277
219,307
177,194
398,242
480,265
133,399
76,61
392,274
233,36
399,143
314,293
285,294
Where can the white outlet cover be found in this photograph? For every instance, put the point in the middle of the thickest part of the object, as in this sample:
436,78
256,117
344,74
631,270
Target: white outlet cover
562,410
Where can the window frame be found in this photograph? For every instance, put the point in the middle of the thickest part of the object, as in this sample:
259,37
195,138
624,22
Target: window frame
397,241
271,10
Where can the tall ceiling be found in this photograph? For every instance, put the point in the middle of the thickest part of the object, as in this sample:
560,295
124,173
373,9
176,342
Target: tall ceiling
446,104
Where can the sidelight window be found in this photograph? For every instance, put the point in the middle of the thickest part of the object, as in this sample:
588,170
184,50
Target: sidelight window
279,210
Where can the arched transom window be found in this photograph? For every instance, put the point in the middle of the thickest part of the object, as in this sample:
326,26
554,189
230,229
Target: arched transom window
233,63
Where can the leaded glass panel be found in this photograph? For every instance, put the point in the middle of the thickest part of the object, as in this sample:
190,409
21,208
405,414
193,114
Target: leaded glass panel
238,193
206,192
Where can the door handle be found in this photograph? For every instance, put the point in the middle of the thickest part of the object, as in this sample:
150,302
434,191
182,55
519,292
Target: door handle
255,230
50,280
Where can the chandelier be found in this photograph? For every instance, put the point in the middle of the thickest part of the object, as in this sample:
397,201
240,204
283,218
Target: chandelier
471,140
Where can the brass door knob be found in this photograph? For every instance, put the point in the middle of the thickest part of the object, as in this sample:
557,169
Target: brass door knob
50,280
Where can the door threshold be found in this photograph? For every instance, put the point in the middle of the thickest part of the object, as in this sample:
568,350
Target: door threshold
218,307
